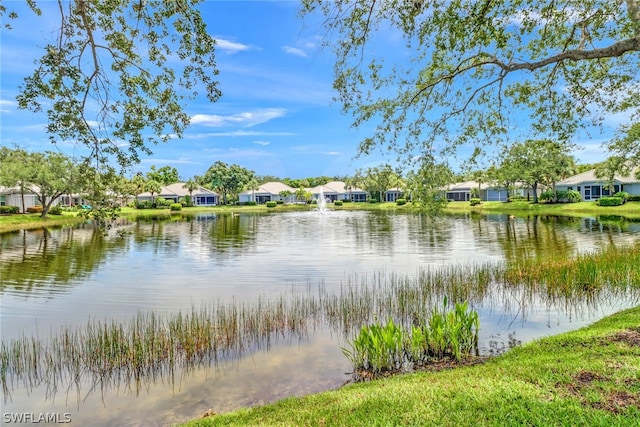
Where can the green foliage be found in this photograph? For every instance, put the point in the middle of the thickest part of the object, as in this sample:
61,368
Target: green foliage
161,202
401,202
228,180
573,196
136,61
633,198
271,204
475,201
337,203
55,210
280,202
175,207
623,195
463,68
610,201
548,195
445,335
165,175
9,209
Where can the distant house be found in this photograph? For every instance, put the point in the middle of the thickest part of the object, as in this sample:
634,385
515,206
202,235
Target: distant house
486,192
393,194
267,192
11,196
175,192
338,190
591,187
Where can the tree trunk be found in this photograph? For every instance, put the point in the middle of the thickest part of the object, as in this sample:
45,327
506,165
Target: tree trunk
535,192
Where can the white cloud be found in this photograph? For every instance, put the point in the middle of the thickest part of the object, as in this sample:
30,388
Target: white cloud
295,51
246,119
263,143
333,153
232,47
6,105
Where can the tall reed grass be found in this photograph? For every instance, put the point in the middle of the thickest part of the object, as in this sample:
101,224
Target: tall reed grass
152,346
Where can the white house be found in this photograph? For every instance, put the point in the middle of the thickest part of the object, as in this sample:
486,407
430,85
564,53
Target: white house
591,187
174,192
486,191
269,191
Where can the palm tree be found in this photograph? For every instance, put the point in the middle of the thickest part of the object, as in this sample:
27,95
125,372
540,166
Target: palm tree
191,185
284,194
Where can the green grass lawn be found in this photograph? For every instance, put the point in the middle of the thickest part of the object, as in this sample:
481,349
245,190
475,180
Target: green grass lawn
589,377
522,207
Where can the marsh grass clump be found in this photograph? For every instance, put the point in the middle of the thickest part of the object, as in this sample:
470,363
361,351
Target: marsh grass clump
447,334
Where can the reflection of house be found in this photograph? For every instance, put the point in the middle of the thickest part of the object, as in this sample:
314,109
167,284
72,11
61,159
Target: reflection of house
489,193
591,187
269,191
176,192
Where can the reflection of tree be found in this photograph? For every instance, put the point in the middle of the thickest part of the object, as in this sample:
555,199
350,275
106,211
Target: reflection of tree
530,237
36,259
230,232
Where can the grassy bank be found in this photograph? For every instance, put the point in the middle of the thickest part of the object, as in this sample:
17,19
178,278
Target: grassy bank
587,377
33,221
628,210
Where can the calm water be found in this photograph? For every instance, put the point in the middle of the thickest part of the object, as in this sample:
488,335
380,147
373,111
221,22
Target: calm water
73,275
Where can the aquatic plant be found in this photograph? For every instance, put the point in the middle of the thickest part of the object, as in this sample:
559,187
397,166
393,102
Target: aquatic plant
447,334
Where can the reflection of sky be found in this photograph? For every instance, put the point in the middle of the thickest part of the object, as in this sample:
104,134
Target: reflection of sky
174,266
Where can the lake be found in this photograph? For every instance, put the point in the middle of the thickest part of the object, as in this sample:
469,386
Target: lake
72,276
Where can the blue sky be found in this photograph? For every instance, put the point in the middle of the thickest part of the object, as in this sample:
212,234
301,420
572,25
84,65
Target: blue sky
276,115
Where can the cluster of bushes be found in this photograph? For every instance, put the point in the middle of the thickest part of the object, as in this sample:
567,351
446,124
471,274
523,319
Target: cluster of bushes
9,209
175,207
633,198
474,201
620,198
401,202
568,196
337,203
271,204
55,210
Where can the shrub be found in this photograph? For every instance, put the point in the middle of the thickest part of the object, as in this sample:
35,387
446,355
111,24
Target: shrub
548,196
610,201
279,202
56,210
161,202
314,202
176,206
9,209
271,204
633,198
34,209
474,201
337,203
401,202
623,195
250,203
573,196
145,204
347,201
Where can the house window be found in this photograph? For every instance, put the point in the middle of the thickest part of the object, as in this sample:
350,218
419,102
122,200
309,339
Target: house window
571,188
595,191
3,200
